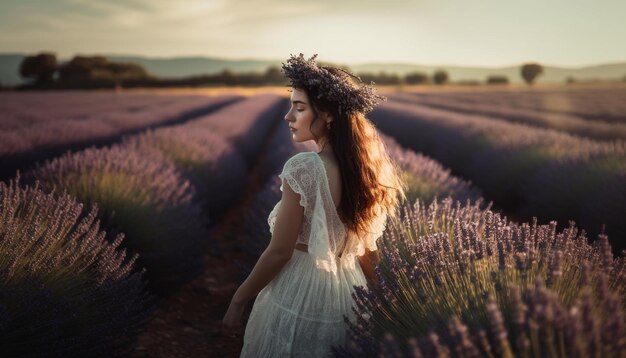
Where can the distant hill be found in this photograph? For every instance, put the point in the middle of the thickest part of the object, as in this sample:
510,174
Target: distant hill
551,74
9,69
190,66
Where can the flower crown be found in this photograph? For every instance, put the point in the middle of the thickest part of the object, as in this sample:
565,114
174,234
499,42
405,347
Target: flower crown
332,84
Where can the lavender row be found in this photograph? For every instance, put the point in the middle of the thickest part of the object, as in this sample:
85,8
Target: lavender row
22,147
457,280
489,107
256,235
425,178
153,187
247,124
141,194
589,103
29,109
526,171
214,152
53,126
281,147
66,291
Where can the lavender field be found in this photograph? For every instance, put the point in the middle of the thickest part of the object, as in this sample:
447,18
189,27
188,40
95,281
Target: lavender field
124,202
155,194
600,103
35,126
547,154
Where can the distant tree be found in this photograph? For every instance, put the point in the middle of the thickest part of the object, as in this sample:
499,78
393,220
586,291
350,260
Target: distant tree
121,71
83,71
570,80
530,71
381,78
368,77
79,69
227,77
249,78
440,77
39,67
468,82
273,75
497,80
415,78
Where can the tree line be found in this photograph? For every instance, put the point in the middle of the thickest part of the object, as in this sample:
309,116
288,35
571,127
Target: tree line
43,71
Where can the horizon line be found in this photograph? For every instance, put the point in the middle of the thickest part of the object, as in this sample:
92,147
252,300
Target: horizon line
390,62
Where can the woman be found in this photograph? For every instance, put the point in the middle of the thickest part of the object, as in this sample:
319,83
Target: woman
334,205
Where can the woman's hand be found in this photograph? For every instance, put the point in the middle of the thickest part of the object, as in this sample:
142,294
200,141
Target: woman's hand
231,323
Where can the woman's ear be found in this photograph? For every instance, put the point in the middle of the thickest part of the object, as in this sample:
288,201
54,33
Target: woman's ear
328,118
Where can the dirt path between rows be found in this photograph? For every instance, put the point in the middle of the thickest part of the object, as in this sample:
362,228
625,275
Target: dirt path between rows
187,324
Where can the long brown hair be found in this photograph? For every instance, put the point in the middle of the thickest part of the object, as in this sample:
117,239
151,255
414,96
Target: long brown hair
370,182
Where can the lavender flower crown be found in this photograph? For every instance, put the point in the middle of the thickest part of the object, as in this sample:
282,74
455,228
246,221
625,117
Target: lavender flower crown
332,84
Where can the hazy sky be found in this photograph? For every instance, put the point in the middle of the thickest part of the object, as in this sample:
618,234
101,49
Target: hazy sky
430,32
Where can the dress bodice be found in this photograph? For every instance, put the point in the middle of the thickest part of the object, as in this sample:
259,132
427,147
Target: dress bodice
322,229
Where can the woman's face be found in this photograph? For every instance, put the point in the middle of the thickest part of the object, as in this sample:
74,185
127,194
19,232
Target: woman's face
300,118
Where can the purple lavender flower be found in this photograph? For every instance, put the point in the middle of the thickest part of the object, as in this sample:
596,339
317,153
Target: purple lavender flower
523,314
532,171
142,194
65,290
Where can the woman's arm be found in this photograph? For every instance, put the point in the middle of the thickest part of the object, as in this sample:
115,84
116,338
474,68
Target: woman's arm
368,262
286,229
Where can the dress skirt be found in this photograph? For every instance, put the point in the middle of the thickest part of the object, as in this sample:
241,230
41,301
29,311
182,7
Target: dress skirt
300,312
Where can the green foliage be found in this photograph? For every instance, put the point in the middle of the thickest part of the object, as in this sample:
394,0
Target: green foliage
465,281
83,71
381,78
274,75
417,188
39,67
415,78
530,71
143,195
497,80
440,77
64,290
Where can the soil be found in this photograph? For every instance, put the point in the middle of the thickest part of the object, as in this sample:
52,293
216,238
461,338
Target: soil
188,322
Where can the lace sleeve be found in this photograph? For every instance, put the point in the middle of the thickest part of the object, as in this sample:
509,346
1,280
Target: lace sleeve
297,175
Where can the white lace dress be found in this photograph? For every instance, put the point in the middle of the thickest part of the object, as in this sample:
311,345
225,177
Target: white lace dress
300,312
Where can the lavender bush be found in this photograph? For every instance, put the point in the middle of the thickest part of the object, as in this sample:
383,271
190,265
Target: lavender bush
593,104
489,107
214,151
142,194
245,124
456,280
23,111
212,165
426,179
508,161
37,126
64,290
